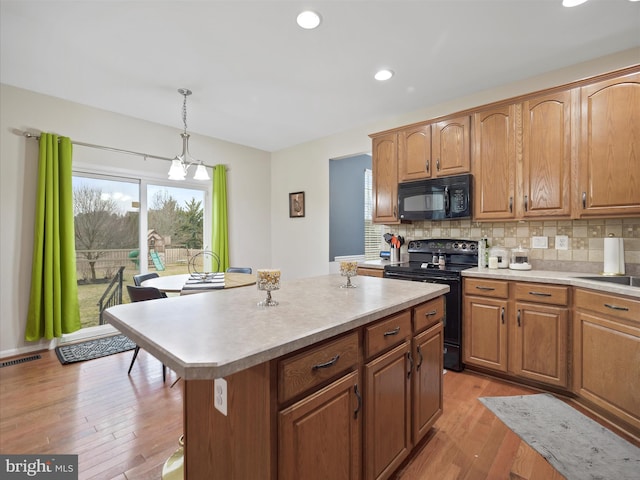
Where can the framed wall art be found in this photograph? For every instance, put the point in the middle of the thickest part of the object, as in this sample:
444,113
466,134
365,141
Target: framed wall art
296,204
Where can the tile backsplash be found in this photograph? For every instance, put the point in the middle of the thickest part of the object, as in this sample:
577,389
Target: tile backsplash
586,239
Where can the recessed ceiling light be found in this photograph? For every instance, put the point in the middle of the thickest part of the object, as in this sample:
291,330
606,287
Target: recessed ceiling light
308,20
572,3
383,75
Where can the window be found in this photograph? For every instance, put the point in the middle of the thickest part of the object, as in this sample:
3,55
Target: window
372,232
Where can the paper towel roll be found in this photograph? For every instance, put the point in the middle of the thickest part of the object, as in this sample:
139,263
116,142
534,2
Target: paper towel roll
613,256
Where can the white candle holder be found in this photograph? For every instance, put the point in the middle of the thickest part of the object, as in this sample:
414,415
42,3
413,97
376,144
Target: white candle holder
268,280
348,269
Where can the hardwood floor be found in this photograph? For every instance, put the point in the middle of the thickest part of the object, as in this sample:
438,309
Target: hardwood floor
125,427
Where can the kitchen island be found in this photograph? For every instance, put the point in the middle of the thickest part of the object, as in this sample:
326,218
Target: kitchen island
259,351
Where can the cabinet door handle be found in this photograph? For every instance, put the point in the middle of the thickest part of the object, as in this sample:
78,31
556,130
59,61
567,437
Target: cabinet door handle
410,358
502,315
438,164
480,287
432,312
420,357
510,204
328,364
359,397
615,307
427,166
526,203
519,317
395,211
584,200
540,294
390,333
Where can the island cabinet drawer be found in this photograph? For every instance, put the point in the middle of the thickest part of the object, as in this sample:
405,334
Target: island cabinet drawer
486,288
387,333
428,314
541,293
608,304
304,371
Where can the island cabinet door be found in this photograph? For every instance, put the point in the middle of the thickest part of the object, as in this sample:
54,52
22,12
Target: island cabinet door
320,437
427,380
387,403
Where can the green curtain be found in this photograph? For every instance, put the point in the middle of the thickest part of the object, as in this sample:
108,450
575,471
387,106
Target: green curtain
53,304
220,233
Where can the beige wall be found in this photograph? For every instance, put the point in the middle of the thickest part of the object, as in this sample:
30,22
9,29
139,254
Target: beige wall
248,185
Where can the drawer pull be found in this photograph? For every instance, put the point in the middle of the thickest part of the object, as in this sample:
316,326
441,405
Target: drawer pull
615,307
410,358
540,294
421,359
432,312
328,364
359,397
390,333
480,287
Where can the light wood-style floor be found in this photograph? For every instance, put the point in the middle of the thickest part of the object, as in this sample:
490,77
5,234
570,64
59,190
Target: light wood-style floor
125,427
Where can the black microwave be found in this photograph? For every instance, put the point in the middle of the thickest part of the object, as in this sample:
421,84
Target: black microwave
436,199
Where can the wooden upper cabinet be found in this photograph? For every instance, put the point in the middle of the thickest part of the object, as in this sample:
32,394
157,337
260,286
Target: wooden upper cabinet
451,146
414,153
547,125
385,178
494,163
610,148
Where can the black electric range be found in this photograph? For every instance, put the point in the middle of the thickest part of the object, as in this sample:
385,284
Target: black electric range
425,265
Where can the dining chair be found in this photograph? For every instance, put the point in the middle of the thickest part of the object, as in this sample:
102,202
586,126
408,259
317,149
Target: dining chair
239,270
141,277
141,294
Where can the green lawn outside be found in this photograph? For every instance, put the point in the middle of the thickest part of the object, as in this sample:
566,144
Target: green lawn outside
89,294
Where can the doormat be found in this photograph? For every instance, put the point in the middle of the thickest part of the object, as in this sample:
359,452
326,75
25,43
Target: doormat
577,447
91,349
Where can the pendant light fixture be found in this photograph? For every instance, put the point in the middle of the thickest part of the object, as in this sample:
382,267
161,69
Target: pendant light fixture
182,162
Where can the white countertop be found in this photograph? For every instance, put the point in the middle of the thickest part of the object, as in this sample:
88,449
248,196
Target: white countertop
560,278
215,334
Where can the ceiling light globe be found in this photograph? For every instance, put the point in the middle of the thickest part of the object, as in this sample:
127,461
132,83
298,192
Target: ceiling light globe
308,20
383,75
177,171
201,173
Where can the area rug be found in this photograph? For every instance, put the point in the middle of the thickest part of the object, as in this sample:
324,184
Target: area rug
577,447
91,349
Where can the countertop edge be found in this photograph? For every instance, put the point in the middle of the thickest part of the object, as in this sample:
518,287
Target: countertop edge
555,277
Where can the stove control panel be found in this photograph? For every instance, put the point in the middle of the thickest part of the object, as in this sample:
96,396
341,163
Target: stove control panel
443,246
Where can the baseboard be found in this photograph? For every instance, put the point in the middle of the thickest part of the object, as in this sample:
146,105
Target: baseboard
79,336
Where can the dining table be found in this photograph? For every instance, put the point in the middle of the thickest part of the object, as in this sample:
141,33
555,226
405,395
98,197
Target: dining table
176,283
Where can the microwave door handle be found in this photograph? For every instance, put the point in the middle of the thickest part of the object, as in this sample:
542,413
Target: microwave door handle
446,201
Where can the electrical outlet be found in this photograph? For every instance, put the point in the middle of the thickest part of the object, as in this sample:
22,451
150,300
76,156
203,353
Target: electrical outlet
562,242
220,395
539,242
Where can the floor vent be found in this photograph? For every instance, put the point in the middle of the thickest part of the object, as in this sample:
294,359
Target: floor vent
20,360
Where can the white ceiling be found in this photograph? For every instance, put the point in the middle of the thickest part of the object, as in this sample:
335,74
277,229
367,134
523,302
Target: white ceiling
260,80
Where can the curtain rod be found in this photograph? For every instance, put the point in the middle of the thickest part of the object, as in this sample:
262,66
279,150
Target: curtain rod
102,147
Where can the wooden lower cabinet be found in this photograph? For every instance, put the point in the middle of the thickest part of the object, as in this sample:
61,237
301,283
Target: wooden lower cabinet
371,272
607,354
427,380
485,332
539,345
387,427
320,436
518,328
